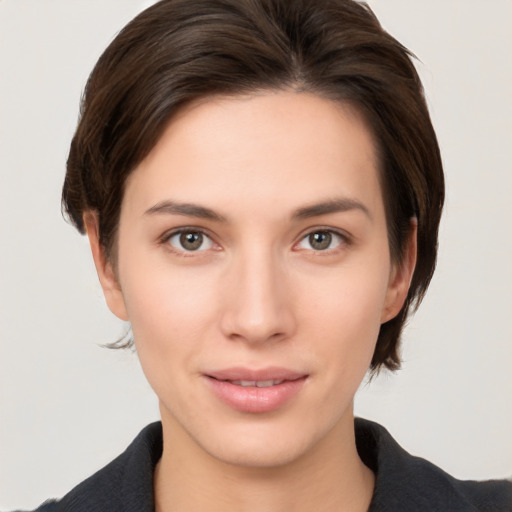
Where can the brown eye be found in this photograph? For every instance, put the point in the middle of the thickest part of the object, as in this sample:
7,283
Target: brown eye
320,240
190,241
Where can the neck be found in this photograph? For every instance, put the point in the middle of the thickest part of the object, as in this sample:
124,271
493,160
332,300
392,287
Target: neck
329,477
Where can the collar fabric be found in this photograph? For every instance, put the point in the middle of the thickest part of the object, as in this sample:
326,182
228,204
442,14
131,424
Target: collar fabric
403,482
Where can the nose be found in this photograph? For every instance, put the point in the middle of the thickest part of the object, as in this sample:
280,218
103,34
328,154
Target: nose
258,305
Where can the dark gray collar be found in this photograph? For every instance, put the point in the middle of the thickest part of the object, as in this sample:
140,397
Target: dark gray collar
403,483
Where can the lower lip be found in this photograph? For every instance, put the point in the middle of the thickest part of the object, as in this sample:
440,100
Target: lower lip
254,399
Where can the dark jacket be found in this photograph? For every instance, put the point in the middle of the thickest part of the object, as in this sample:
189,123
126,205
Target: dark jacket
403,483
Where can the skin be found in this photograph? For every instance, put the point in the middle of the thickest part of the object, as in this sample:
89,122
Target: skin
258,292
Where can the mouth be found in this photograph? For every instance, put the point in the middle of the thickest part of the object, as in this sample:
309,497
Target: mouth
256,391
247,376
256,383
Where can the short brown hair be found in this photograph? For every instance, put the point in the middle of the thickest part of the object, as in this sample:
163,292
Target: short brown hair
179,50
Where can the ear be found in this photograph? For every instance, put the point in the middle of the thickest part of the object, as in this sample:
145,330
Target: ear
108,280
401,276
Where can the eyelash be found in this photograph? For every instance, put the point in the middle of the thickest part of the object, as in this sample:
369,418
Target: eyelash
166,239
343,240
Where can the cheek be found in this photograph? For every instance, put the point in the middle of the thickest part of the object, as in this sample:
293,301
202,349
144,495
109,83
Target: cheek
344,315
169,309
171,316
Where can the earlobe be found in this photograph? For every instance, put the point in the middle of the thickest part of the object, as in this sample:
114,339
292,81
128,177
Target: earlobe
401,277
108,280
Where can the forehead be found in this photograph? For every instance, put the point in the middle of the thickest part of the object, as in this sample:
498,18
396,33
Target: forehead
272,148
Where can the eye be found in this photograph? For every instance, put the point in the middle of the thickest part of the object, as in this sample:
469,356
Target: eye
190,241
322,240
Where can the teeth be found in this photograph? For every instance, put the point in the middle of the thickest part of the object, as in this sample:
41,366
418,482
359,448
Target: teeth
267,383
245,383
254,383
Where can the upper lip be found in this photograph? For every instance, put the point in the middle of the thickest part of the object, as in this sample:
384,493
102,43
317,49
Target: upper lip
261,374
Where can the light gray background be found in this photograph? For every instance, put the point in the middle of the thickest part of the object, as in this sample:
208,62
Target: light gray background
68,406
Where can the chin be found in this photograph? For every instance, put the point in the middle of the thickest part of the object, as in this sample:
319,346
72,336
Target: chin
259,444
271,453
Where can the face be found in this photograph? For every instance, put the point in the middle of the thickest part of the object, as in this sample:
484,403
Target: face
254,267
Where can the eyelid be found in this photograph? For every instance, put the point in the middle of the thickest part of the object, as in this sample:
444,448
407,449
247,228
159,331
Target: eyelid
164,239
346,239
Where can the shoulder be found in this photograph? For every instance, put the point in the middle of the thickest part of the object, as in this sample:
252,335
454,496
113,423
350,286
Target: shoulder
405,482
125,484
47,506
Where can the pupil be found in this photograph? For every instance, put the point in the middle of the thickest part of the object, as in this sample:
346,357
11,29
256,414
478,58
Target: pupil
191,241
321,240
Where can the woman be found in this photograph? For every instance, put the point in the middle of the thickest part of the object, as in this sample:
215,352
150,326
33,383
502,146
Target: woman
261,187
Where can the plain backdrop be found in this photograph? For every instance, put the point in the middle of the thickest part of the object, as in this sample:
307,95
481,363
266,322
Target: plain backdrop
68,406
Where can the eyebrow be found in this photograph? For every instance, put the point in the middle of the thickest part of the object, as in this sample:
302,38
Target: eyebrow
306,212
330,206
188,209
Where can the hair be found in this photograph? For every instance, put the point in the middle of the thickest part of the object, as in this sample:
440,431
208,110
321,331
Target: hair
177,51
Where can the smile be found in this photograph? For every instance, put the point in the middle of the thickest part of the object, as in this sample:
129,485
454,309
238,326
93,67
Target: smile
256,383
256,391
